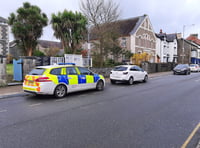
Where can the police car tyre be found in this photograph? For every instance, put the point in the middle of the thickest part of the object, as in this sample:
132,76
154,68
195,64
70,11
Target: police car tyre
145,78
130,81
100,86
60,91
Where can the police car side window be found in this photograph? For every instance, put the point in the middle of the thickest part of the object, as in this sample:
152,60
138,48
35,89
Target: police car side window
56,71
84,71
71,71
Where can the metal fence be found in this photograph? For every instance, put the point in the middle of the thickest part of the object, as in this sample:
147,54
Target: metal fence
56,60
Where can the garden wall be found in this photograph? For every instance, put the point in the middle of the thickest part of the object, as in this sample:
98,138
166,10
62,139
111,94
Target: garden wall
157,67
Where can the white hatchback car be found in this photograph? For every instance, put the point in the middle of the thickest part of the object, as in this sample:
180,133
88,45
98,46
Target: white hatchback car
194,68
128,73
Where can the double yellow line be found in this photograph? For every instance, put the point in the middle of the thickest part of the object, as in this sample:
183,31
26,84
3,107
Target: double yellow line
191,136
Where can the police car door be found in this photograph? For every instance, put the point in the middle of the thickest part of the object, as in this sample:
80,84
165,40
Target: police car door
72,77
86,78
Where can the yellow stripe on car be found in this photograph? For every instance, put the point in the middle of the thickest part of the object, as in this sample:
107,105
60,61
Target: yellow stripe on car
89,79
73,79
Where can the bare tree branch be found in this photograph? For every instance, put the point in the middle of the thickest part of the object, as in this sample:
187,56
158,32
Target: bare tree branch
100,14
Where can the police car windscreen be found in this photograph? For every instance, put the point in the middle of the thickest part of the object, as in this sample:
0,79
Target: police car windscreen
37,71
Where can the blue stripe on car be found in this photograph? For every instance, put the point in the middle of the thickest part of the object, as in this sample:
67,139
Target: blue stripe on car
81,79
63,79
96,77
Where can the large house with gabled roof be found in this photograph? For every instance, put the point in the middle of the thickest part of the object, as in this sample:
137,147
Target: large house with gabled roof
137,36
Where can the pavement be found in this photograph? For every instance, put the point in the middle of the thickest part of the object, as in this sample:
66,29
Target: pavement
15,89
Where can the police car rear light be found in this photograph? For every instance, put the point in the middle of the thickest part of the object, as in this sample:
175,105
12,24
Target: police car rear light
43,79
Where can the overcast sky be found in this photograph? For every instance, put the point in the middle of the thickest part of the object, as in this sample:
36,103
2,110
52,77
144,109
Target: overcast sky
169,15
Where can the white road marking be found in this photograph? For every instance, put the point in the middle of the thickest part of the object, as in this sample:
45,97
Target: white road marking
82,95
198,145
197,80
33,105
122,87
2,111
59,100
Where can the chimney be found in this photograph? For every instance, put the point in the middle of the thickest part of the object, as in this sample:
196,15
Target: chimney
161,31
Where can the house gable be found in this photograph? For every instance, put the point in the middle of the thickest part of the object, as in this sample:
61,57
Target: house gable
144,37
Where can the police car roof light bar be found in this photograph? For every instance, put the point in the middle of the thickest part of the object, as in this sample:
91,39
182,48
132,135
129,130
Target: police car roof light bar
66,64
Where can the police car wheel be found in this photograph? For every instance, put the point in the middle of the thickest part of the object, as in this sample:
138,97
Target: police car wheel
100,86
60,91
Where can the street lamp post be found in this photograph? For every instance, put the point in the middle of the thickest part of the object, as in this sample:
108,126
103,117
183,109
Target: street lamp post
88,44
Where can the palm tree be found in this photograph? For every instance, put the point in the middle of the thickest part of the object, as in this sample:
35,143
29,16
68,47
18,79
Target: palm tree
27,26
69,27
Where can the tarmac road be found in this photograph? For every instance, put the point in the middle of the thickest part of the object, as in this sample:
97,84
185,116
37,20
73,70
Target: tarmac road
158,114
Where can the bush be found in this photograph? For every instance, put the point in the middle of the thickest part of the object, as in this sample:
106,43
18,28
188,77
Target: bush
38,53
111,63
9,59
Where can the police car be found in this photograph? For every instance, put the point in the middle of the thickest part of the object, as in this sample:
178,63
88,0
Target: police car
59,80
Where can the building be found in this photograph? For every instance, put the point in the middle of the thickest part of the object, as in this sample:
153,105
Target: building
43,45
135,35
186,51
54,47
195,53
166,46
4,37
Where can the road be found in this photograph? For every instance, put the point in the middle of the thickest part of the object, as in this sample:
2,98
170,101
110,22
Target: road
158,114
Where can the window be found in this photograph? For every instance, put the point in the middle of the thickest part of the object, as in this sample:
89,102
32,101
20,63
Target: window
84,71
120,68
56,71
123,42
135,68
37,71
71,71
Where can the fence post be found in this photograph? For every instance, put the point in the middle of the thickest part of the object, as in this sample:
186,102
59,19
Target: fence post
3,73
28,64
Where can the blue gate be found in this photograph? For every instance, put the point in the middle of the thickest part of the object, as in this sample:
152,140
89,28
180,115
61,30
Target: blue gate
17,68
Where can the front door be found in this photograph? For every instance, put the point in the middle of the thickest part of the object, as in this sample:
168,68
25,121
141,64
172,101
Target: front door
87,78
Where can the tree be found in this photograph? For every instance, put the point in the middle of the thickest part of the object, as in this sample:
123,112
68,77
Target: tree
101,15
27,26
69,27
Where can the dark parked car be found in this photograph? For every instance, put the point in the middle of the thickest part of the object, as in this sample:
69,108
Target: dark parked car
182,69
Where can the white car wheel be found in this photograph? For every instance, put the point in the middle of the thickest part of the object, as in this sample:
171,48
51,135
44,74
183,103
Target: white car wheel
145,78
130,81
